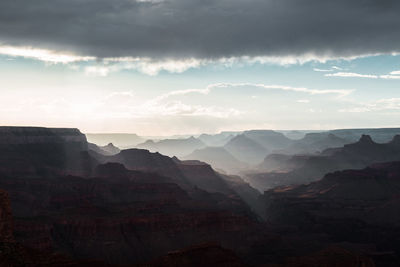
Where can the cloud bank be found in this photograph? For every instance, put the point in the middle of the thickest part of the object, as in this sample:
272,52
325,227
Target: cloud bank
203,29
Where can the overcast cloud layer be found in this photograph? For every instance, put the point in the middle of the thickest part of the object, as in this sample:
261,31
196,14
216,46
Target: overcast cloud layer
205,29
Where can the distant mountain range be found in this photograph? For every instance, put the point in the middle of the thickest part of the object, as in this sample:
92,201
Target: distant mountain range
109,149
238,151
120,140
310,168
217,139
173,147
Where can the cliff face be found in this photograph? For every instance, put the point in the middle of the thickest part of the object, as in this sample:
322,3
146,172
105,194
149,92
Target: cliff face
203,176
354,206
356,194
120,218
145,161
39,135
39,151
6,221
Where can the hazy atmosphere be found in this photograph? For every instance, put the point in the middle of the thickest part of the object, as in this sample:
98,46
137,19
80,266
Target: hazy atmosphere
199,133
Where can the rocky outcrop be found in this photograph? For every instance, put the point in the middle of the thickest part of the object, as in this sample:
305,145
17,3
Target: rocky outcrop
111,149
43,151
354,206
145,161
107,150
123,216
358,190
187,174
39,135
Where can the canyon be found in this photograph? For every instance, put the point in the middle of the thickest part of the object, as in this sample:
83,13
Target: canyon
67,202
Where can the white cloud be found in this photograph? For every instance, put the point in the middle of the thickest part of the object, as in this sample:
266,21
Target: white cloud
322,70
142,65
122,105
394,75
340,92
97,71
390,77
378,105
351,75
178,108
211,87
42,54
162,106
396,72
105,66
333,68
204,91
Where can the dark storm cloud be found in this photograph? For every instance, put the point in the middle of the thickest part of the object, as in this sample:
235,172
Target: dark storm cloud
203,28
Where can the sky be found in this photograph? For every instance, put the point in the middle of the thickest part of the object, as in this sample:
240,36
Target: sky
165,67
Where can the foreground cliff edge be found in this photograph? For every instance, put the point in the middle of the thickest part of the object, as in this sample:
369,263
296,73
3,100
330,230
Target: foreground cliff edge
68,205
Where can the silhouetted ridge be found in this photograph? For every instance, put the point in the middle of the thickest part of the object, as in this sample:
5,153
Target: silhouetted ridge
173,147
351,156
118,139
366,139
146,161
341,199
313,143
380,135
246,149
396,140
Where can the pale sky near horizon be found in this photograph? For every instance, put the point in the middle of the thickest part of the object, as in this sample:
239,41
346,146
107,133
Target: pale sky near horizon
167,75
